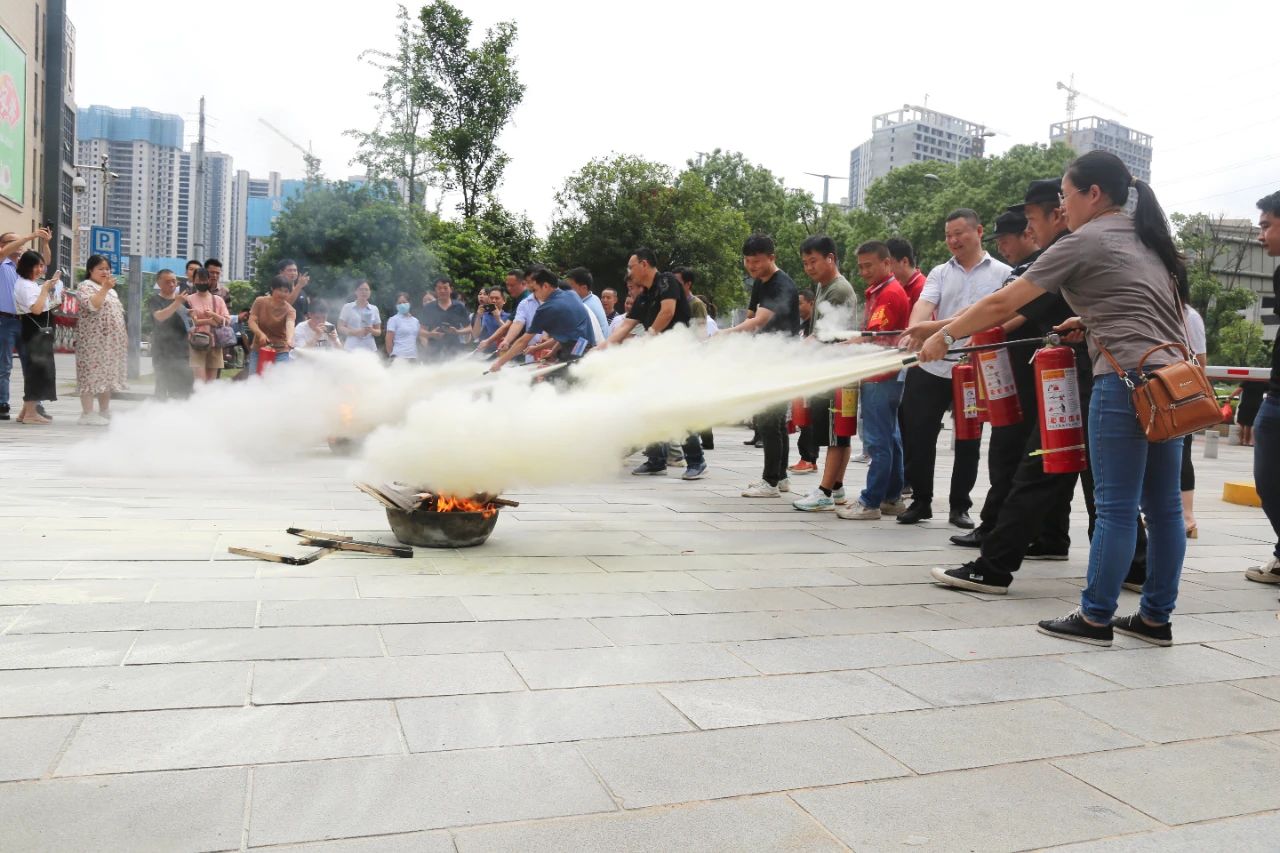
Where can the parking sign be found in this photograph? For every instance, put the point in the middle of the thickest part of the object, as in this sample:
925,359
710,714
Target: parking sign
106,242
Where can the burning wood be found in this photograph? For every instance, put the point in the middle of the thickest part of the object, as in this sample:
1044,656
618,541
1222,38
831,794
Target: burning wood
394,497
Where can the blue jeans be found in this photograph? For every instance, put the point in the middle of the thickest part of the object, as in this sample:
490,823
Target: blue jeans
281,358
10,331
693,456
1130,472
882,441
1266,461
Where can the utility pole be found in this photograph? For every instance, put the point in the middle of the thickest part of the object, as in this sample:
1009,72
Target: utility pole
196,220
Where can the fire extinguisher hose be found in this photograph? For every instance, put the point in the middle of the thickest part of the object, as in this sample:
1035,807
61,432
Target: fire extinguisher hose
1047,451
1051,340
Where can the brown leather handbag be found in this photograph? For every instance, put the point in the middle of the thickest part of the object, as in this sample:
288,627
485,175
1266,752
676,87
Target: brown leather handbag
1171,401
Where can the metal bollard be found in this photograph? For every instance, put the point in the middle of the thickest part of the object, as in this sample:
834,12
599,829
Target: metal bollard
1211,444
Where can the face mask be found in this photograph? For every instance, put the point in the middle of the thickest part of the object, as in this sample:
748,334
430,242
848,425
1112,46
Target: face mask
402,307
203,288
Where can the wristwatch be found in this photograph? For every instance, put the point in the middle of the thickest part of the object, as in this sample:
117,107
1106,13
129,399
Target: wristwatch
946,337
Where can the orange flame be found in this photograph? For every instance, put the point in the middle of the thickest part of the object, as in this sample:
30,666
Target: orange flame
346,413
452,503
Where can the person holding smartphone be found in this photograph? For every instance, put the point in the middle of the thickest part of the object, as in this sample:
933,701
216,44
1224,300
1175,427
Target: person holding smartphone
102,342
359,321
445,323
35,303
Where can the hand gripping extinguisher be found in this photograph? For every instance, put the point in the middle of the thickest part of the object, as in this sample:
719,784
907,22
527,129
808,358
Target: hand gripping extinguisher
1061,422
995,375
964,399
266,355
844,416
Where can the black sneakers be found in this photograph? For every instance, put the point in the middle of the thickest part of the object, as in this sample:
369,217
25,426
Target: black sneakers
4,412
972,539
1074,627
1135,626
973,577
1036,551
648,469
916,513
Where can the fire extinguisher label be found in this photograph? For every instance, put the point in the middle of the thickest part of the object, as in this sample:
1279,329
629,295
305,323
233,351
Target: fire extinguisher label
970,399
997,375
849,401
1061,395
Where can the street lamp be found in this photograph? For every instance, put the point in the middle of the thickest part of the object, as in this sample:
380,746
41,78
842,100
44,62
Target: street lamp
79,184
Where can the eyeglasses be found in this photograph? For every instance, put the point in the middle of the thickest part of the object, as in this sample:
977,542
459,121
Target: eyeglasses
1062,197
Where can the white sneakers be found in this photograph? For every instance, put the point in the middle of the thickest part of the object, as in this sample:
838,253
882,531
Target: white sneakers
857,511
1270,573
93,419
762,489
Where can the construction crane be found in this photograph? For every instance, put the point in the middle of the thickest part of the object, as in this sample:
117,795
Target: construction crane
1072,94
312,161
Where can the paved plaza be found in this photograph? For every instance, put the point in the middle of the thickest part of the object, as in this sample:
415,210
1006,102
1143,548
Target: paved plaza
642,664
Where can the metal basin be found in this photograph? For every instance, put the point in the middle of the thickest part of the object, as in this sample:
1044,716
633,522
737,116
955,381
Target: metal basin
430,529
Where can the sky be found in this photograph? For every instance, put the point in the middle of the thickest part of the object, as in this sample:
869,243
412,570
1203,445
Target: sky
792,86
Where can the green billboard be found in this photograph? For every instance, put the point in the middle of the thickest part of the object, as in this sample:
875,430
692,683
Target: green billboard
13,119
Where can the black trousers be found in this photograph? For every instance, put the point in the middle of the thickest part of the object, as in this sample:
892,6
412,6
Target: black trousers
807,444
1004,453
173,376
925,400
771,427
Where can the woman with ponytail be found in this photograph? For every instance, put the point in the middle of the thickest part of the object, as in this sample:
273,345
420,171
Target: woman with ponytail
1116,271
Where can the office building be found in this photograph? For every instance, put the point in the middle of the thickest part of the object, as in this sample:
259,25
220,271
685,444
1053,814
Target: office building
37,120
910,135
217,231
1239,260
144,149
239,262
1092,133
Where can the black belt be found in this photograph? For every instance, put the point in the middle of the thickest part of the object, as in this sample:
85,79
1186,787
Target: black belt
7,314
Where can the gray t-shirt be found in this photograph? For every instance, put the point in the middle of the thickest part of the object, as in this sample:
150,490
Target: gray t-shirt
836,304
1118,287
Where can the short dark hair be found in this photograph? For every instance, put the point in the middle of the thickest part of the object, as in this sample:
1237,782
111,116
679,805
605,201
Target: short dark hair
280,283
404,295
496,289
686,274
213,262
443,278
190,262
758,244
30,260
165,271
318,306
968,214
873,247
199,274
517,273
284,263
1270,204
580,275
806,295
901,249
646,255
612,290
542,275
820,243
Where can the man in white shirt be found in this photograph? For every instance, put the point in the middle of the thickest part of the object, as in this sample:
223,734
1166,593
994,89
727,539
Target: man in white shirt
951,287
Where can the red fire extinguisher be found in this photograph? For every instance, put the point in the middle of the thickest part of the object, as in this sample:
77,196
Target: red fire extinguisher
995,373
1061,422
983,415
266,355
799,413
964,399
844,416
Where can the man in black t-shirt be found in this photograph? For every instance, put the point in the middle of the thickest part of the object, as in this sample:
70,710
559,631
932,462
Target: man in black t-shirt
445,322
778,312
170,352
1266,424
660,306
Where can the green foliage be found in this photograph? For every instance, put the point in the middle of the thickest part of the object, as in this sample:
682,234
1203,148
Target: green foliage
242,295
1241,344
470,94
343,234
613,206
1213,265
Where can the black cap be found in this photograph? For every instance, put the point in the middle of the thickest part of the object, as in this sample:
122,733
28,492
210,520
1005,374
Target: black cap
1046,191
1010,222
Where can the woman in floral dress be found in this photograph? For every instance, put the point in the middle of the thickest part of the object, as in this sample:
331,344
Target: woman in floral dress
102,342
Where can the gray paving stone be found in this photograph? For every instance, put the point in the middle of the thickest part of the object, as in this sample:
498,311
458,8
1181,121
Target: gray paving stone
34,570
731,601
787,698
159,569
884,595
214,737
336,680
363,611
1268,687
980,736
544,716
625,665
817,654
369,796
511,636
76,618
757,823
1264,623
996,613
73,592
189,810
868,620
976,682
694,628
267,589
94,690
411,842
526,584
1152,667
255,644
9,614
769,578
1265,651
29,746
1188,782
502,607
1256,832
1182,712
44,651
1010,642
646,771
1036,806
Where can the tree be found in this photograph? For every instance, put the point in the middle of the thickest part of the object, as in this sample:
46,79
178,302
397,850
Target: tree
344,234
1214,259
398,148
613,206
470,94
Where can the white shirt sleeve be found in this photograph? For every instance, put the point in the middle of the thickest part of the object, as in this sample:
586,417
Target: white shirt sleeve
1195,331
25,293
932,290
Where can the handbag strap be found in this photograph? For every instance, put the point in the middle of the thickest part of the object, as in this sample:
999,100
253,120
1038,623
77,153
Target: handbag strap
1185,347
